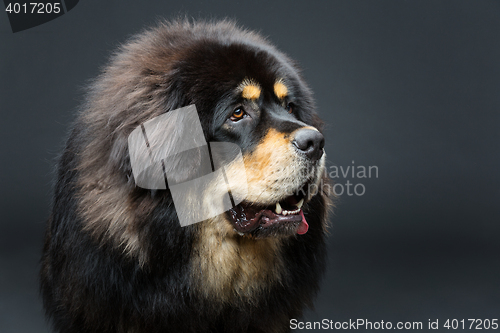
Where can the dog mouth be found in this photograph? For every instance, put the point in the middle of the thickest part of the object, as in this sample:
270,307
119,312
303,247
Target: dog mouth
279,219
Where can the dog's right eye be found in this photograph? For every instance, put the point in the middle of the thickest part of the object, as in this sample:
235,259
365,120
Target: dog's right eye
238,114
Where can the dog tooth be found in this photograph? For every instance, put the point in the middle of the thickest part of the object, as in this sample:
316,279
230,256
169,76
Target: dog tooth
238,232
300,203
278,208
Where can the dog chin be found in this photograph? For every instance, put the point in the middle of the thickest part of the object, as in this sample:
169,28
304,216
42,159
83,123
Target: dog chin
279,219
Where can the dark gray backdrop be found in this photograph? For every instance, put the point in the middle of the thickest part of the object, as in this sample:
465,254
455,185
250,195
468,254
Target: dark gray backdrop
409,86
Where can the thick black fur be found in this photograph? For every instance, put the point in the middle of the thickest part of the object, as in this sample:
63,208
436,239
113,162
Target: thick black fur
89,282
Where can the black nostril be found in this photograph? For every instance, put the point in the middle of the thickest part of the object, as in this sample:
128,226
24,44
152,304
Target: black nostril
310,142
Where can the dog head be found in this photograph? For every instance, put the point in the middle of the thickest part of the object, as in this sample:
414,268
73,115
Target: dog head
253,96
245,91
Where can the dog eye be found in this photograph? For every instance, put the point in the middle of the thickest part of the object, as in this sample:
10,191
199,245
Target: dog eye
289,107
238,114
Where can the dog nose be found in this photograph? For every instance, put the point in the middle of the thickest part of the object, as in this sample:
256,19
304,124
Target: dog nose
310,143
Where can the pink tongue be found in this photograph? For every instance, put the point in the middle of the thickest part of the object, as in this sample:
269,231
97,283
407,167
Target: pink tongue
303,225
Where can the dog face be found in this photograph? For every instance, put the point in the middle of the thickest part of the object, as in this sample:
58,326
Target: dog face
257,100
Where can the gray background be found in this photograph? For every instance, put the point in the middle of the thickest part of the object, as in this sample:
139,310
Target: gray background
409,86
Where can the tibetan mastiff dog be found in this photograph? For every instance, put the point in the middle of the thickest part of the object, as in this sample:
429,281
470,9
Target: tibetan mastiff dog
115,258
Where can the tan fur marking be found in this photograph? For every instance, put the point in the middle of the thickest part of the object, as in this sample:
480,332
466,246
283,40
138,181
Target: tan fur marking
251,92
260,161
227,265
280,90
273,169
250,89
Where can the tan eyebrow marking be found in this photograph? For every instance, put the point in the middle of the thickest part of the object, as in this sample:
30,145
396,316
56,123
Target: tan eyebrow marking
280,90
250,89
